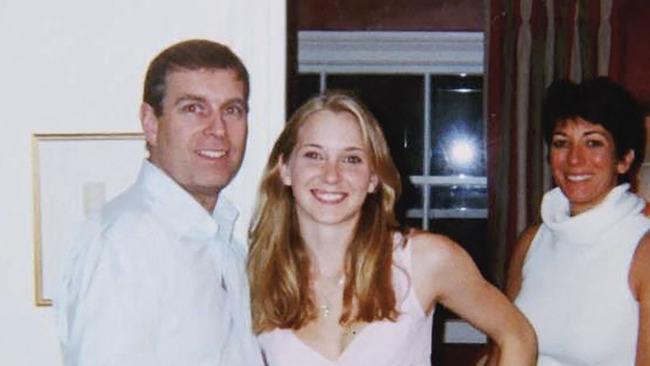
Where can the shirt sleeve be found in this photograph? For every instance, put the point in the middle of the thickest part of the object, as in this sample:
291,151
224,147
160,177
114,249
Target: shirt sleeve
103,314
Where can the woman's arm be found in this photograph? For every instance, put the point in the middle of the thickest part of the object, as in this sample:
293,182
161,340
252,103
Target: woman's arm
640,284
516,264
444,272
513,276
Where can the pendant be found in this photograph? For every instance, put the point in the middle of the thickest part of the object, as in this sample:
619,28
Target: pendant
325,308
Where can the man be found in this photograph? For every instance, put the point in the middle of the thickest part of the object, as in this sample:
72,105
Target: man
155,278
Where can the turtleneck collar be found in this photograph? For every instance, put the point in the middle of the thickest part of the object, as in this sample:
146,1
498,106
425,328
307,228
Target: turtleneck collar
589,225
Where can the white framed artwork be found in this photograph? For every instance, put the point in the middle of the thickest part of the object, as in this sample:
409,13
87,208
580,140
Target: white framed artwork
73,176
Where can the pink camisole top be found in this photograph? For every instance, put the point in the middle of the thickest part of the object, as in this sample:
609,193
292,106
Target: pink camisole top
404,342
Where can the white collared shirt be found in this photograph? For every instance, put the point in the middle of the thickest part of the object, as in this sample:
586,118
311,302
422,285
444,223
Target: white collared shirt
154,279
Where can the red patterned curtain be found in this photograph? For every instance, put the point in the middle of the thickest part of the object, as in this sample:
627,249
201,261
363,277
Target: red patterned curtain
530,44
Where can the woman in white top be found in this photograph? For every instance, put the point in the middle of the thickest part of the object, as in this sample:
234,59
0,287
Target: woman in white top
334,281
582,277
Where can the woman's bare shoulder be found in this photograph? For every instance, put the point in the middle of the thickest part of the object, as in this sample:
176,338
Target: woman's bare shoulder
439,264
436,252
427,243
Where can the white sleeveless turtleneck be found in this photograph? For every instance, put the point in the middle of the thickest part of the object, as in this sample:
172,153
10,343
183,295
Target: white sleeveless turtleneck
575,288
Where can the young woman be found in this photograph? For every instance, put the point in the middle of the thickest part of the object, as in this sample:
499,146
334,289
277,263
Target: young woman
583,276
334,281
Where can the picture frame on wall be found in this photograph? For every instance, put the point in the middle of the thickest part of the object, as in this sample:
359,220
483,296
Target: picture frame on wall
73,175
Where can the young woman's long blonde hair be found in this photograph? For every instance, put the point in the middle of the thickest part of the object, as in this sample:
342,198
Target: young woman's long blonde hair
278,263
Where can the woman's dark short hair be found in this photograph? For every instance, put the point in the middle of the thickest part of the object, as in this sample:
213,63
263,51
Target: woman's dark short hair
194,54
603,102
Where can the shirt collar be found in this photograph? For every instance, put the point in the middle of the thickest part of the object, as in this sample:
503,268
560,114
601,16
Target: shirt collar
225,214
180,210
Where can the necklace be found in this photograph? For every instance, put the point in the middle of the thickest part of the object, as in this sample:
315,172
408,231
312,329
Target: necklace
350,330
326,306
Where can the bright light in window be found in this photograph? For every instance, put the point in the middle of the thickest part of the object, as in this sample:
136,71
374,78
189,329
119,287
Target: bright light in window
462,152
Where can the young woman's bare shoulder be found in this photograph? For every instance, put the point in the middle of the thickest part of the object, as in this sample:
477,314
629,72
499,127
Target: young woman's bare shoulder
439,266
435,251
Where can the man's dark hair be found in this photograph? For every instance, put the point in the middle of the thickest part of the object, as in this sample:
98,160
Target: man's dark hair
603,102
192,54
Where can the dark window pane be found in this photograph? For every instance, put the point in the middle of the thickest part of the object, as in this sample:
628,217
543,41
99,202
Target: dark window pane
458,148
457,131
459,197
308,86
397,103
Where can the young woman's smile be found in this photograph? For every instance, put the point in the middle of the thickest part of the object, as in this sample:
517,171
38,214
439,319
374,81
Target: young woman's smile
328,171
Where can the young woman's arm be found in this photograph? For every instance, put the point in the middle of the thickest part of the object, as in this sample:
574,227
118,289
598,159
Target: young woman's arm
513,277
444,273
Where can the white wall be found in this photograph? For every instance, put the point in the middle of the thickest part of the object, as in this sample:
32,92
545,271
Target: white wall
78,66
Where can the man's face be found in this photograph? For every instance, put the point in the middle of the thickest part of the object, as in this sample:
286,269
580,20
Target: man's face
200,137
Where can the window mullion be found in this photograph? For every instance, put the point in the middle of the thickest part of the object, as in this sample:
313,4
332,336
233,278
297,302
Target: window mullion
426,145
322,81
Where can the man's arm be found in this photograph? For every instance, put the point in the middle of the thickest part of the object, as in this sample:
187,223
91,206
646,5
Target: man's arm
101,314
